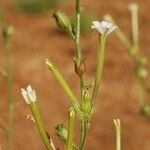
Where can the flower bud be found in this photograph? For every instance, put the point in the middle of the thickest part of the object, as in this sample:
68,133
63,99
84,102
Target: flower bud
64,23
133,7
142,72
61,132
8,31
85,104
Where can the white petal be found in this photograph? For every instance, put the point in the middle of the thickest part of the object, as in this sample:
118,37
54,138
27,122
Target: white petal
111,29
32,96
25,95
29,88
98,26
29,95
103,27
105,24
96,23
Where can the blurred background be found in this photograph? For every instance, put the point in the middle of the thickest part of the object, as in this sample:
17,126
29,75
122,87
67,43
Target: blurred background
37,37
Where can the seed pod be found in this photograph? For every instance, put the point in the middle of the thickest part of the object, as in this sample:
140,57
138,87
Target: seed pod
64,23
79,66
61,132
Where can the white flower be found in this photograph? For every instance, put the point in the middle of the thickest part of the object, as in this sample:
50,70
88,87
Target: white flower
29,94
103,27
133,7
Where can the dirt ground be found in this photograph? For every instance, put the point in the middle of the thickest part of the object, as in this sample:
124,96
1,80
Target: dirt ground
37,38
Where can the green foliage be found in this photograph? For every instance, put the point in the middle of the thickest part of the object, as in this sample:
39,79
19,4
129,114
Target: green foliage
36,5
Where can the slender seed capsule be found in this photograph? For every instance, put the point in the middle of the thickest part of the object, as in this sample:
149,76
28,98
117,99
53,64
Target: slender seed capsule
64,23
61,132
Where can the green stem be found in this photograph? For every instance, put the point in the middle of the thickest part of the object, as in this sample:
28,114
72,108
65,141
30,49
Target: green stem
40,126
10,92
84,131
70,129
79,57
63,84
135,31
77,41
118,133
78,17
99,67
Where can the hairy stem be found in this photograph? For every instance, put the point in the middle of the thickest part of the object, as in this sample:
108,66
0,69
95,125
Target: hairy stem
63,84
77,41
84,131
78,17
79,56
40,126
99,68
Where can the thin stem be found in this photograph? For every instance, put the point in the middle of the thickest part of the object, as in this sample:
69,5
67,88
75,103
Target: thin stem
10,92
63,84
79,57
119,33
118,133
134,21
70,129
78,17
99,67
77,41
84,131
40,126
82,86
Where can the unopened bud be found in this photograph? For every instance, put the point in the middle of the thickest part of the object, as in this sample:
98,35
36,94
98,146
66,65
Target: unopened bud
86,104
8,31
133,7
61,132
64,23
142,72
79,66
